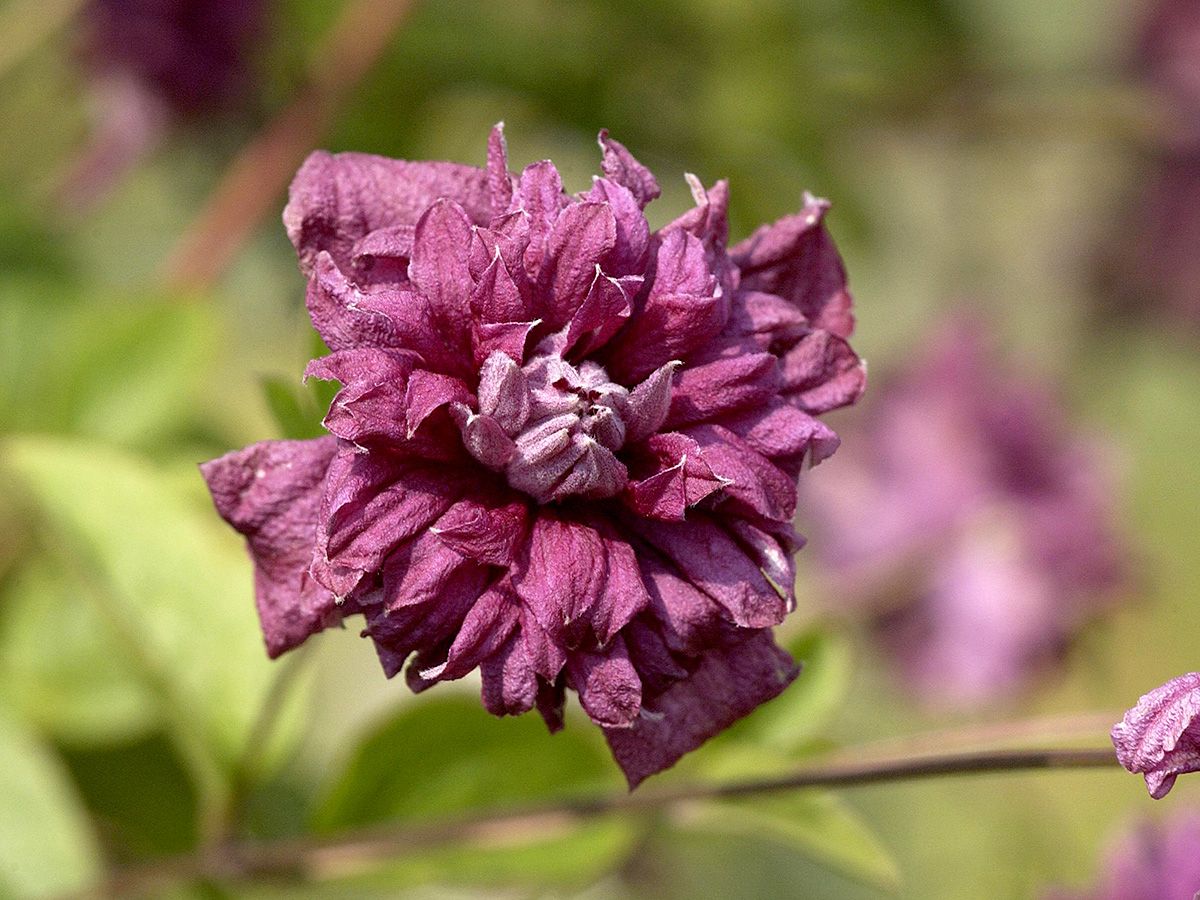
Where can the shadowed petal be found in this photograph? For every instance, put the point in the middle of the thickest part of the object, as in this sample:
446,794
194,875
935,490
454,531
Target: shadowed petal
730,682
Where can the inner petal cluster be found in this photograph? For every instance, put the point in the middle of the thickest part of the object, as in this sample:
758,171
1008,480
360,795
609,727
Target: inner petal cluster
554,428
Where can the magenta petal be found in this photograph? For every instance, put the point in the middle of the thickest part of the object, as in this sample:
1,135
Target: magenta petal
539,197
372,406
487,528
371,505
822,373
779,430
582,236
753,485
712,560
604,310
624,594
724,386
509,683
486,628
1160,737
336,199
564,577
499,181
731,681
428,392
683,311
795,258
271,493
609,689
496,297
649,404
689,619
439,264
392,243
633,232
620,166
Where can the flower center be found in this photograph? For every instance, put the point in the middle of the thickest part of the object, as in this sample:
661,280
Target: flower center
553,428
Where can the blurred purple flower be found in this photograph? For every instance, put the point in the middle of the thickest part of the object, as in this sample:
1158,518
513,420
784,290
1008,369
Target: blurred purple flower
968,523
1160,737
152,62
192,55
1152,862
565,448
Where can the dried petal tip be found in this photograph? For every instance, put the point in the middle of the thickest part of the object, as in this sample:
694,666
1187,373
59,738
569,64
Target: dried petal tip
1160,737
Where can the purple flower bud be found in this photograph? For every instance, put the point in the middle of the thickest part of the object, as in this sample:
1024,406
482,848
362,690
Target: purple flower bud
565,447
1160,737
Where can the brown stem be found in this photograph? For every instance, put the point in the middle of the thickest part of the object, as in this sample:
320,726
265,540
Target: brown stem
323,858
249,189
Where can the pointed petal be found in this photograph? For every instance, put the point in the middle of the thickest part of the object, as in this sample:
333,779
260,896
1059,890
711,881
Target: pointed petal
564,576
620,166
796,259
724,386
822,373
499,182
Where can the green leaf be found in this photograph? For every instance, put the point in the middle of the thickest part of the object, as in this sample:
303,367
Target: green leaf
293,408
162,571
62,666
46,845
140,792
446,754
130,369
814,823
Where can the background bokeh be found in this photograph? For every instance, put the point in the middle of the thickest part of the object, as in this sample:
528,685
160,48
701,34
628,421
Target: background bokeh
994,156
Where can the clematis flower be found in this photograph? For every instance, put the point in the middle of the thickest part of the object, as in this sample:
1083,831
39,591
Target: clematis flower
1151,862
967,523
1160,737
565,448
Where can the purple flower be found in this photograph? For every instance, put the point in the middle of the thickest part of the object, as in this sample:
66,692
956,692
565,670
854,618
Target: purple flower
565,449
1152,862
192,55
1160,737
967,522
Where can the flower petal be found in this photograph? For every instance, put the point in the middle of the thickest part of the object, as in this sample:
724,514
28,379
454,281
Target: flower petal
336,199
796,259
609,689
1160,737
271,493
620,166
731,681
708,556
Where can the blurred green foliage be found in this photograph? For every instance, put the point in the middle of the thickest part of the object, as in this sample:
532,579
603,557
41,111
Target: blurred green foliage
971,151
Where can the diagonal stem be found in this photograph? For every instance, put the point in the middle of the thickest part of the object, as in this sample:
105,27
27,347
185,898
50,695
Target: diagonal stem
328,857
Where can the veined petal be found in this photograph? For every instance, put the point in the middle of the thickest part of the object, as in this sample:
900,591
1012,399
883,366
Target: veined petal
271,493
731,681
336,199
